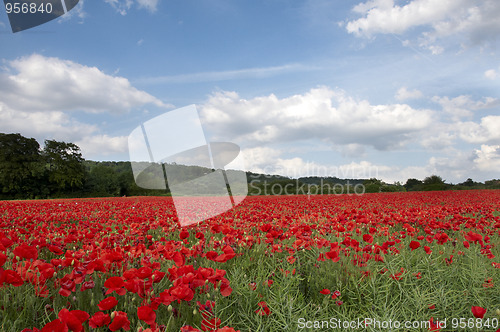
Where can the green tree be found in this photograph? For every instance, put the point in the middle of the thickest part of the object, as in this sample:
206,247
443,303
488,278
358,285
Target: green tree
433,179
65,165
373,185
412,184
103,181
20,167
435,182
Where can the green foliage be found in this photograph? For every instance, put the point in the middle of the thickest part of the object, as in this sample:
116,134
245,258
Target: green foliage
20,165
65,165
433,179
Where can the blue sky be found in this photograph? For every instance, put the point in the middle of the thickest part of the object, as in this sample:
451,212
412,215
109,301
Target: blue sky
382,88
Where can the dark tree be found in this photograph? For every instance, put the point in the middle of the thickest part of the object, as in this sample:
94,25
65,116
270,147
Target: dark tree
20,167
411,184
433,179
65,165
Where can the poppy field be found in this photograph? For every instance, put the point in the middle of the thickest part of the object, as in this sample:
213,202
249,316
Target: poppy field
273,263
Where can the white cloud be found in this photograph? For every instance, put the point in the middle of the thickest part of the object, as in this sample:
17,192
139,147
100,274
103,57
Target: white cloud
38,94
42,124
38,83
488,158
491,74
102,145
320,114
463,105
471,21
488,131
404,94
439,139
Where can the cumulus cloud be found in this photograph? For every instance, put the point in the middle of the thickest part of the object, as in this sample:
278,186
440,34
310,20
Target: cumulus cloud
464,105
39,95
477,21
442,138
488,158
404,94
487,131
42,124
44,83
321,114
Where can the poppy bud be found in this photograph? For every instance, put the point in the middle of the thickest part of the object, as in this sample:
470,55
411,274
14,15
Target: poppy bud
72,262
195,312
170,308
497,312
208,295
113,314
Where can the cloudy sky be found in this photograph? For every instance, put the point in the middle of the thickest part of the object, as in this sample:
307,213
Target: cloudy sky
383,88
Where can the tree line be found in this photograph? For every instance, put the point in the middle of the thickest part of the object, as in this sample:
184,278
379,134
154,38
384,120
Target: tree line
58,170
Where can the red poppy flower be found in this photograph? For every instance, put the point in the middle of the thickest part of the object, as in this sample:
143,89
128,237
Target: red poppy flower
13,278
99,319
73,319
210,325
120,321
115,284
225,290
184,234
3,258
368,238
414,245
478,312
325,291
227,329
265,311
107,303
55,326
146,314
26,251
87,285
182,292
